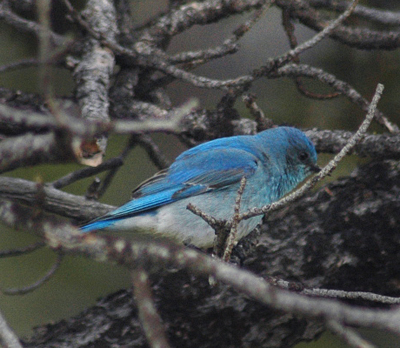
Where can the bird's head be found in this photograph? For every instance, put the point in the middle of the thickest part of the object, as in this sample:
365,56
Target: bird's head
301,157
291,152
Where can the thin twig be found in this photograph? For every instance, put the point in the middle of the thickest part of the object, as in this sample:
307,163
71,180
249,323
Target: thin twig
213,222
339,294
26,289
229,45
349,335
158,158
361,38
231,239
289,30
23,63
26,25
278,62
149,317
374,15
21,251
43,9
263,122
293,70
86,172
102,188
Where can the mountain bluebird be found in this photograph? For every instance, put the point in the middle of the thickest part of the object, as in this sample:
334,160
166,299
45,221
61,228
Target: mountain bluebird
208,176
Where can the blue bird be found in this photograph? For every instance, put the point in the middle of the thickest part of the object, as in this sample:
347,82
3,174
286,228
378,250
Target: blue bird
273,161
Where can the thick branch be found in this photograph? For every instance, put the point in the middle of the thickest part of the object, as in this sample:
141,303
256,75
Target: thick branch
92,74
51,199
379,146
30,149
328,240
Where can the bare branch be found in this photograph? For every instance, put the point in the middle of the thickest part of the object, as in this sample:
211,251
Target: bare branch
354,37
231,239
157,157
381,146
272,64
29,288
371,14
98,191
294,70
194,13
54,201
86,129
32,149
93,72
86,172
321,35
229,46
214,223
25,25
24,63
21,251
349,335
8,339
151,321
259,116
331,293
289,29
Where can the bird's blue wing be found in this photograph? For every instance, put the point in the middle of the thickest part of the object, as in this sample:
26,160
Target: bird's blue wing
199,173
188,176
211,170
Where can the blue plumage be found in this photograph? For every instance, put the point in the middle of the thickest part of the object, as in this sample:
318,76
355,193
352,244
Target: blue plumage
208,176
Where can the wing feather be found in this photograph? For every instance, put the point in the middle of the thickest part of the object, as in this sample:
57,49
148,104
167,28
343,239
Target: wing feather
188,176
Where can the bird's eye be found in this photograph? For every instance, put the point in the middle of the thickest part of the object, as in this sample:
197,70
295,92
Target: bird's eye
303,156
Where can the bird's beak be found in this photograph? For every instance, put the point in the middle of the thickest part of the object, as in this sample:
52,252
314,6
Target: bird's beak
314,168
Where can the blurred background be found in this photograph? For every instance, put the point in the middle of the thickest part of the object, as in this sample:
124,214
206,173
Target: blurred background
79,282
